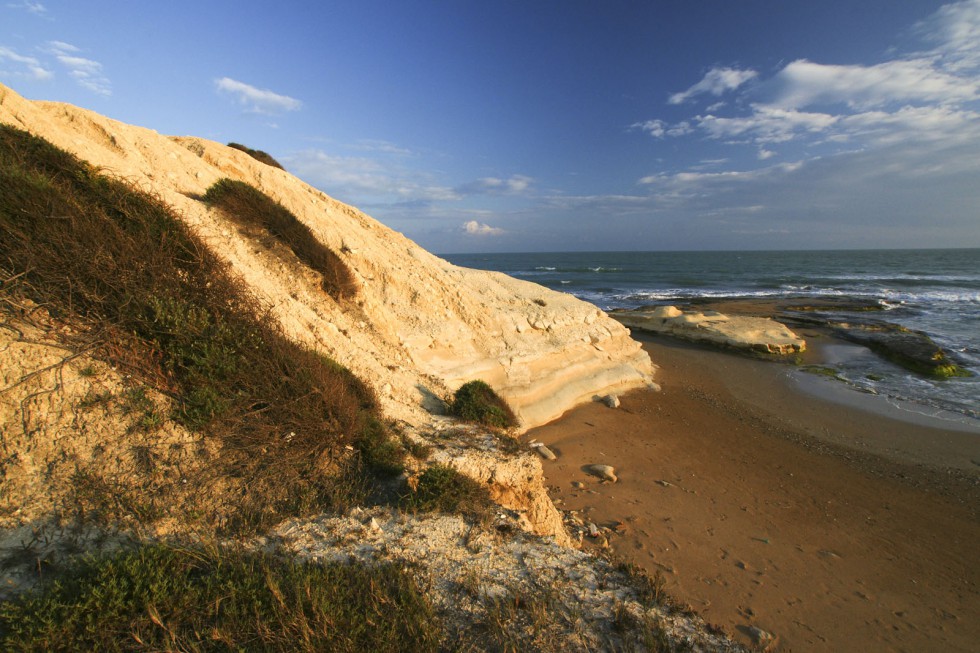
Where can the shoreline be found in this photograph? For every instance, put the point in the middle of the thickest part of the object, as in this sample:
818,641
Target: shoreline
765,506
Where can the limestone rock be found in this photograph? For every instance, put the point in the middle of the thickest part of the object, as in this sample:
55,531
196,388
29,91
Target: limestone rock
544,451
738,332
611,400
604,472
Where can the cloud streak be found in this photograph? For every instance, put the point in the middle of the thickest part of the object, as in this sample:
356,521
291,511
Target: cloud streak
514,185
715,82
25,66
257,100
35,8
87,73
804,83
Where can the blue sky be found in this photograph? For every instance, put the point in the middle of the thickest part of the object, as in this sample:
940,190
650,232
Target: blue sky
549,126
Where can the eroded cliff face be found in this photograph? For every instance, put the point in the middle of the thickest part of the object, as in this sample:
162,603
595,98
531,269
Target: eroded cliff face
418,328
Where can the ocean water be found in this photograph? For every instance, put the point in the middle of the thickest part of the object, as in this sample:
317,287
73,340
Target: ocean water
935,291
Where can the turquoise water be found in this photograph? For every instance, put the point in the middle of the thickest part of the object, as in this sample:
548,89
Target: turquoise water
936,291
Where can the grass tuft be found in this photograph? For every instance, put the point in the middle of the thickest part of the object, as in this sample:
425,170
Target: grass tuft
442,489
249,206
258,155
159,597
477,402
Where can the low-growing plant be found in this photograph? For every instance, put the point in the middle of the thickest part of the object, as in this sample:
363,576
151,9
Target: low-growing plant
250,206
477,402
258,155
442,489
159,597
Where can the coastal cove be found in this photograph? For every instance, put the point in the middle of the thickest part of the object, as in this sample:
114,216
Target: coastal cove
205,357
830,527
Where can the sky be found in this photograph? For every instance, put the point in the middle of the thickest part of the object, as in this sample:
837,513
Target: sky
498,125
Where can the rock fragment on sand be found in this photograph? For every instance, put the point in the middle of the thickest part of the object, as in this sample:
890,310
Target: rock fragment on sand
611,400
544,451
604,472
762,639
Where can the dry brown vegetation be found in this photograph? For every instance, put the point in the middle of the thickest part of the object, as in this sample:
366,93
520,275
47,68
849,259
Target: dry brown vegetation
250,207
258,155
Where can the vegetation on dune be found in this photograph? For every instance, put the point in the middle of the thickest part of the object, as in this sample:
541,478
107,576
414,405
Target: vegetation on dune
443,489
159,597
249,206
477,402
157,303
258,155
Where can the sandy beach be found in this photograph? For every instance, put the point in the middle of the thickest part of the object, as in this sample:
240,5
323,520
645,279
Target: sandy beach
831,527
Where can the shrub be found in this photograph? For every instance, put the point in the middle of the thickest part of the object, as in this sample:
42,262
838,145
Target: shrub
476,401
165,309
258,155
250,206
159,597
442,489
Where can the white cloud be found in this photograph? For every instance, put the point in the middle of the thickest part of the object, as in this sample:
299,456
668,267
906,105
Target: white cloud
715,82
481,229
256,99
803,83
515,185
954,30
766,124
31,67
659,128
688,180
60,47
86,72
656,128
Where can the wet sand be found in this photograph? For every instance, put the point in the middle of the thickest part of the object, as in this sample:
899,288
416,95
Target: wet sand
831,527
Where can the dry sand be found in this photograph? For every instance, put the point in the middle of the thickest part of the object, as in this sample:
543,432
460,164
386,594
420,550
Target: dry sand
766,507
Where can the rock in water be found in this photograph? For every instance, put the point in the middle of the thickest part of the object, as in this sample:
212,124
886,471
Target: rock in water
604,472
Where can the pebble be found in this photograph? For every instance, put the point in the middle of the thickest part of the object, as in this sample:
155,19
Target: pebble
544,451
611,400
762,638
578,485
605,472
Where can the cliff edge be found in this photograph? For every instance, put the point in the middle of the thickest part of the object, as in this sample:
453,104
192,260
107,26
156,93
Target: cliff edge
417,328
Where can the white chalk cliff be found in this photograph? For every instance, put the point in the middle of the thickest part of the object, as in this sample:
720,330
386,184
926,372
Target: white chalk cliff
418,327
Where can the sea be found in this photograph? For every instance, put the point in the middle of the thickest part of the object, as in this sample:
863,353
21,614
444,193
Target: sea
934,291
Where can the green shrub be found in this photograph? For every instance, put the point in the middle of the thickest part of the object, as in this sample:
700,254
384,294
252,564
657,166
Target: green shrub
249,206
159,597
476,401
258,155
442,489
166,310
